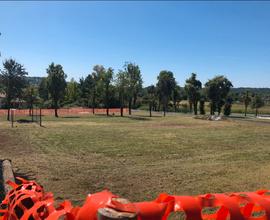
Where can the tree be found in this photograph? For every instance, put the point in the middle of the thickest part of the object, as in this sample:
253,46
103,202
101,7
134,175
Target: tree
107,77
134,80
122,88
228,106
72,91
247,101
43,89
256,103
202,102
56,85
176,96
193,87
217,90
166,84
95,85
30,98
13,80
151,93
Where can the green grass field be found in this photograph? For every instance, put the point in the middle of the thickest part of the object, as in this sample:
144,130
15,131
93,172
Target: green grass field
139,157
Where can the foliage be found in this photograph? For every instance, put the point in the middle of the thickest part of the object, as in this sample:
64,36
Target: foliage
43,90
13,80
165,86
176,96
31,97
193,88
56,84
217,90
246,100
228,106
256,103
151,96
134,83
72,92
122,88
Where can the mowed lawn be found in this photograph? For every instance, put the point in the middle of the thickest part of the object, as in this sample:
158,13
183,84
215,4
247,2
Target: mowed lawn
139,157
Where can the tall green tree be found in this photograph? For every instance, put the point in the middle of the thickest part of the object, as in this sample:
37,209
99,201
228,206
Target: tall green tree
106,79
30,96
72,91
228,106
217,90
256,103
166,84
122,88
151,95
202,102
43,91
246,100
96,87
176,96
193,88
13,80
56,85
134,80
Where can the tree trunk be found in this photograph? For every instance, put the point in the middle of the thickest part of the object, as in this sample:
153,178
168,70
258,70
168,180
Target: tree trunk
56,112
121,110
129,106
174,104
190,107
94,104
107,100
134,99
8,114
164,110
245,110
150,110
211,108
195,104
256,112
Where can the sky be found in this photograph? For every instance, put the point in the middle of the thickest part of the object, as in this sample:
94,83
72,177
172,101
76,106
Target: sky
205,37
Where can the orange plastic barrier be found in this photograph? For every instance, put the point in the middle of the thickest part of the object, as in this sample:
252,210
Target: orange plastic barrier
66,111
28,201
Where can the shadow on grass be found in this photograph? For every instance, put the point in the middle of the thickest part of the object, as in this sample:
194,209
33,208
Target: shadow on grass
24,121
138,118
70,117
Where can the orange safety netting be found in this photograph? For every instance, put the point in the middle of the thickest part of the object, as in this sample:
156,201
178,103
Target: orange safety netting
28,201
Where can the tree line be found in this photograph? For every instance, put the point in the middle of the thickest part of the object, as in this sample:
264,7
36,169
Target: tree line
105,88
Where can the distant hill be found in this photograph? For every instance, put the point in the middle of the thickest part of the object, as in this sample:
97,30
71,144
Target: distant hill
263,92
34,80
252,90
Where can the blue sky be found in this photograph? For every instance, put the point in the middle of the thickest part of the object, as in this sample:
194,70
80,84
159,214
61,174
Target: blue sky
208,38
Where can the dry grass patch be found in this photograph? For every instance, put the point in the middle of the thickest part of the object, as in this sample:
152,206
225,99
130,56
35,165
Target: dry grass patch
139,158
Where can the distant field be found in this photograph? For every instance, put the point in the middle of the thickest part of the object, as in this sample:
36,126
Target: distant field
236,108
139,157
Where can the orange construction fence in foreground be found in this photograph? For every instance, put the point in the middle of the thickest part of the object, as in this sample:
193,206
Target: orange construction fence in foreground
66,111
28,201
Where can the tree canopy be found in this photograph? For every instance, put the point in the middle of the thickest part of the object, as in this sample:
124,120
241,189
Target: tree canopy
56,84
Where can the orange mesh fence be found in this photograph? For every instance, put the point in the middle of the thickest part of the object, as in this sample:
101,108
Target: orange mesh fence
28,201
66,111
